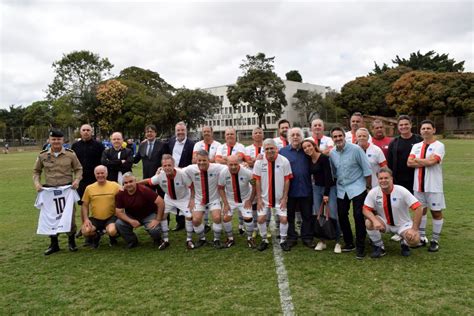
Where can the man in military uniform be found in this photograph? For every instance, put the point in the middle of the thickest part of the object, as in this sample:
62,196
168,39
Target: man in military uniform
61,167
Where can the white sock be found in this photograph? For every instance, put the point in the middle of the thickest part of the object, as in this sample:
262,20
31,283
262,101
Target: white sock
263,230
199,230
249,228
189,229
164,230
422,228
283,231
437,226
376,237
217,228
228,229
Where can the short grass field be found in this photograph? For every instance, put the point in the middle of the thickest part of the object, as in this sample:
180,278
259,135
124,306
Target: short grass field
231,281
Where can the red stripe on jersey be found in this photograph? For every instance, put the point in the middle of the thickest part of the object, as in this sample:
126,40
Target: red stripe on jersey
257,150
171,189
271,185
204,188
421,170
368,208
383,164
206,147
354,140
236,187
415,205
284,141
229,150
387,209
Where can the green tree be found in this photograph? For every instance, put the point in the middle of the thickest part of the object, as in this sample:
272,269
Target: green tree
421,93
111,95
260,87
77,74
367,94
294,75
192,107
308,104
431,61
38,114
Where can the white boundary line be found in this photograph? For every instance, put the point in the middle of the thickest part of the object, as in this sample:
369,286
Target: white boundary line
286,301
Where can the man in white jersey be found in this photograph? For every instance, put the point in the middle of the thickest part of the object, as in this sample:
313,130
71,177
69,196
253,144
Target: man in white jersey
282,139
207,143
237,191
176,185
374,153
205,196
325,143
252,151
357,121
230,147
386,211
272,174
426,158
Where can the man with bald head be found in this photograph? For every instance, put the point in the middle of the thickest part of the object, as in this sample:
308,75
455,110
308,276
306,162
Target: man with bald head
89,152
357,121
98,208
325,143
230,147
117,159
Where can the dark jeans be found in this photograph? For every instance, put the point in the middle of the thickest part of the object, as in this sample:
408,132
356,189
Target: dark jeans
126,230
343,206
305,206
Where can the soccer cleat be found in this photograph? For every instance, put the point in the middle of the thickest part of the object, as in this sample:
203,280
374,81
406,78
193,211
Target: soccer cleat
72,243
405,250
423,242
132,244
95,241
434,246
321,246
284,246
190,245
263,245
360,253
164,245
378,252
217,244
200,243
251,243
396,237
241,231
53,247
348,248
337,248
229,243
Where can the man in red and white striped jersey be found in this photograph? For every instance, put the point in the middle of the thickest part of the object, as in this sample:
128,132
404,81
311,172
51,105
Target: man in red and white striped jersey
386,210
426,157
207,143
237,191
230,147
325,143
272,174
205,196
176,185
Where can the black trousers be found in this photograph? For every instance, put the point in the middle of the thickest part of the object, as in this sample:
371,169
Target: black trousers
305,206
343,206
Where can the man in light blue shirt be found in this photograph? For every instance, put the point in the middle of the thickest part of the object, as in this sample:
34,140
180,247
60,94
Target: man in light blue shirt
353,178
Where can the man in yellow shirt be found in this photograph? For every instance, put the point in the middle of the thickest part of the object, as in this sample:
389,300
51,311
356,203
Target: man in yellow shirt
99,201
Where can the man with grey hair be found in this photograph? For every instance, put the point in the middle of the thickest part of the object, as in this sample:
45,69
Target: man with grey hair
272,174
300,195
137,206
181,148
325,143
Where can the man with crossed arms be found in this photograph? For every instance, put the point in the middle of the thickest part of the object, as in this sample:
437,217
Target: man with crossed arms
175,183
386,210
237,191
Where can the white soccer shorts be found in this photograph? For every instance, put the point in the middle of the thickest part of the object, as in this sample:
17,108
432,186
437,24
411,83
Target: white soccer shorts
432,200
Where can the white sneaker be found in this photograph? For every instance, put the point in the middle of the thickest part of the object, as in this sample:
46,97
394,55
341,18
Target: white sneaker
320,246
396,237
337,248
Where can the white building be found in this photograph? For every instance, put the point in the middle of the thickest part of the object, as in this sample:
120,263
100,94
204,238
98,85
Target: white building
243,119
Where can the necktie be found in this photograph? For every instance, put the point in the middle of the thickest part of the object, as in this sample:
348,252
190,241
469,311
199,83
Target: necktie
150,149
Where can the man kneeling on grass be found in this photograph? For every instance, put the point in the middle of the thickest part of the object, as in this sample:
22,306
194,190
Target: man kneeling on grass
99,199
386,210
135,206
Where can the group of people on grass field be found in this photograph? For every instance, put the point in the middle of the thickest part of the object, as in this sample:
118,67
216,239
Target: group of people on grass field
290,178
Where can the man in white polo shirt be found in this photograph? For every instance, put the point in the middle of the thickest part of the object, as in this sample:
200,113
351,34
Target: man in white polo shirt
207,143
325,143
426,157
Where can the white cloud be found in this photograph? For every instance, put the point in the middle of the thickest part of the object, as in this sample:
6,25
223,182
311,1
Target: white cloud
201,44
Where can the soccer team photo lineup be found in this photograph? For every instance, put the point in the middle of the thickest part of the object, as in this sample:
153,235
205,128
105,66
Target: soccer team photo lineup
305,186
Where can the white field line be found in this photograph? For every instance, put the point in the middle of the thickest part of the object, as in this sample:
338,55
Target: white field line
283,284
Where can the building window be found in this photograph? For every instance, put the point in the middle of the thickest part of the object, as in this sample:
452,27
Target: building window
249,108
268,119
254,121
244,109
273,119
249,121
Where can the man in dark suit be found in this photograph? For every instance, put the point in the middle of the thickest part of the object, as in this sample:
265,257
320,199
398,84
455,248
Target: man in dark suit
181,148
150,152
